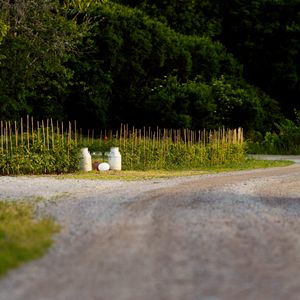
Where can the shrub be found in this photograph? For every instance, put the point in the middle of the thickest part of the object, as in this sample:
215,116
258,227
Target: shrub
285,140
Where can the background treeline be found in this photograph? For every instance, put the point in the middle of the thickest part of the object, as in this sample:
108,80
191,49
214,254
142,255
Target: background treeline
182,63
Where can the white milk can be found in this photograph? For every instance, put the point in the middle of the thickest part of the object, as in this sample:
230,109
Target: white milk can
86,160
114,159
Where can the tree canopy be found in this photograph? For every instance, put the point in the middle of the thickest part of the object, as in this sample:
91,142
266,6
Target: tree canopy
3,30
180,63
263,35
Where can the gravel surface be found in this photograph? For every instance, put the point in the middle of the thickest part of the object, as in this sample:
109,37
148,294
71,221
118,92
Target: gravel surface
225,236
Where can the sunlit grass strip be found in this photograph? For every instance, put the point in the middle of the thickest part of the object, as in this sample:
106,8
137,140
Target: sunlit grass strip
22,238
129,175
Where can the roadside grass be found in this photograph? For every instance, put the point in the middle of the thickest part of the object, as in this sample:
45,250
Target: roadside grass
246,164
249,164
130,175
22,236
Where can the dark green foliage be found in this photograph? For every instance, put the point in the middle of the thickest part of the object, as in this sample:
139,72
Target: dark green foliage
264,36
285,140
179,105
189,17
219,102
130,60
240,104
154,63
33,76
3,30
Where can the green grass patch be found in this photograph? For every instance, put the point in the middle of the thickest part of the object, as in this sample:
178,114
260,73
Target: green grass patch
22,237
247,164
130,175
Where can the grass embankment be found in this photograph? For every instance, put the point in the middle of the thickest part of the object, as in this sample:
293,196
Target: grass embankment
247,164
22,237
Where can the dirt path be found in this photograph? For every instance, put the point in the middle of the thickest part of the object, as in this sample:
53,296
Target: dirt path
226,236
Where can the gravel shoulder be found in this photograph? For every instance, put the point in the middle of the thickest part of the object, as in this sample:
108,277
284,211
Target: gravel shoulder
223,236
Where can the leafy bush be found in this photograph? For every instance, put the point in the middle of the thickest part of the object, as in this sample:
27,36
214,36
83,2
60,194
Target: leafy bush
3,30
200,104
128,54
240,104
285,140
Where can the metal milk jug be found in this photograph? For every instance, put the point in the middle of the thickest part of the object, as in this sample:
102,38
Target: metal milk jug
114,159
86,160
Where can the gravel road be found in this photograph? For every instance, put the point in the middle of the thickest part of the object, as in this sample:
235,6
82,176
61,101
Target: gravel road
212,237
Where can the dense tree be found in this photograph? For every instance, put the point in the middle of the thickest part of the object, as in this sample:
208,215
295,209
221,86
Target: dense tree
80,5
229,102
33,77
189,17
264,35
3,30
160,63
132,51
